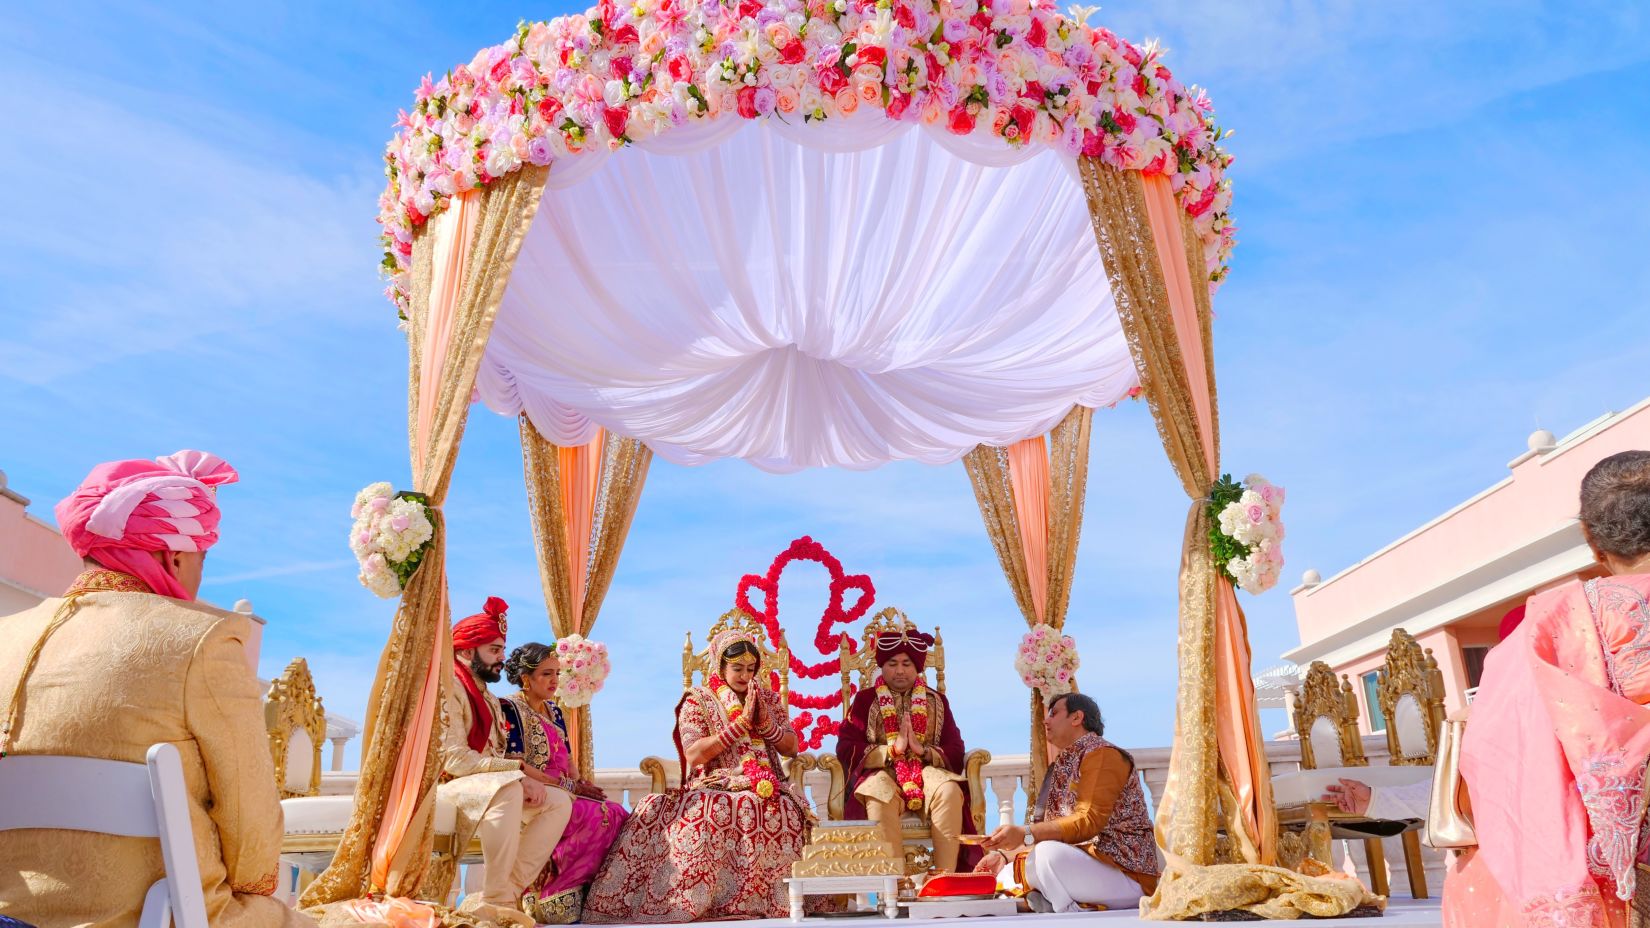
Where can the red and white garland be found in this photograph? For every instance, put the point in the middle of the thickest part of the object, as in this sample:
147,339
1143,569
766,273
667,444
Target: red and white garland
837,612
907,769
753,763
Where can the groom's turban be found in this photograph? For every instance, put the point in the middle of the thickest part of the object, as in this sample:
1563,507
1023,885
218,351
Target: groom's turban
484,627
124,510
906,641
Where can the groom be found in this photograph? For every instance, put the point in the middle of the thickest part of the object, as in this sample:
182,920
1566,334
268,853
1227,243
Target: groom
900,747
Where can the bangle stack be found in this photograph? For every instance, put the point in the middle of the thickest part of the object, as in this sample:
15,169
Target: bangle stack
728,737
772,730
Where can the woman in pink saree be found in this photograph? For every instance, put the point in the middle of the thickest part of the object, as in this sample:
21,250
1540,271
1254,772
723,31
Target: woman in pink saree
538,735
1554,753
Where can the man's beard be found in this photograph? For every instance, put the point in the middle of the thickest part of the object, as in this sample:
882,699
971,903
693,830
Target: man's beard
486,673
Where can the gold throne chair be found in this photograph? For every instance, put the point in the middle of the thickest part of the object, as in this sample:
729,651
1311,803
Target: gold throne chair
701,663
918,842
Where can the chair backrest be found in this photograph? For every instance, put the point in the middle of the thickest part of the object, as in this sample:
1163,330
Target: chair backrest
864,661
775,660
1326,715
297,726
114,797
1410,688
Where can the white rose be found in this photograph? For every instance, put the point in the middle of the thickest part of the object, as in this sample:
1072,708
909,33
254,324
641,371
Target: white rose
614,93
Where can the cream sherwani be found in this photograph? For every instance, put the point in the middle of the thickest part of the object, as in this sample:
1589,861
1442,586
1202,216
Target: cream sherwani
516,839
127,671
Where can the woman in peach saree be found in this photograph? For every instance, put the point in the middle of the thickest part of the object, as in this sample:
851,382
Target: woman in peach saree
1554,754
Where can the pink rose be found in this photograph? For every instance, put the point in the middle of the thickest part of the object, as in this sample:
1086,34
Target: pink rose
846,102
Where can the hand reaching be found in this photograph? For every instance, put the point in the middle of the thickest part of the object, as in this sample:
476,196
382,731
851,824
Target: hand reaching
532,792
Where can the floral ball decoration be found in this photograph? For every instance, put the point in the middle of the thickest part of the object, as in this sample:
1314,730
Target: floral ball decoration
392,531
1047,661
584,669
619,73
1246,531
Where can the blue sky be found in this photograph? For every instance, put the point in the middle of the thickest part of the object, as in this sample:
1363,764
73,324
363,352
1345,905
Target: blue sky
1442,249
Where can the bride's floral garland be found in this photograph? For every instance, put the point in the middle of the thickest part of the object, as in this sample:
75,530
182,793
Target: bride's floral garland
619,73
907,770
753,763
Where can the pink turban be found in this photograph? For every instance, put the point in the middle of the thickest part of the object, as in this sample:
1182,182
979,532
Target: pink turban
124,510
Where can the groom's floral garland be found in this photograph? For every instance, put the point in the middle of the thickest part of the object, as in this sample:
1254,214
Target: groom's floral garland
753,763
619,73
907,770
1246,531
390,535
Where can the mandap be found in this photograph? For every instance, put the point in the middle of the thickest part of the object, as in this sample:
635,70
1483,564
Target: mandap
808,233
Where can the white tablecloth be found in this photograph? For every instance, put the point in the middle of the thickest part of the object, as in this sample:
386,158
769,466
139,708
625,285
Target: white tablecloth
1302,786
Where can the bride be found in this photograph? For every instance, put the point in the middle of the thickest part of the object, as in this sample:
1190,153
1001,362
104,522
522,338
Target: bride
721,846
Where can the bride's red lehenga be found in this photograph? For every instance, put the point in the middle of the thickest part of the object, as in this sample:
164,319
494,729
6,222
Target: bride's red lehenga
714,849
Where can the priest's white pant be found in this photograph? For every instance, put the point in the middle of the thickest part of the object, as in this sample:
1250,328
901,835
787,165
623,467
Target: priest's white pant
517,840
1067,875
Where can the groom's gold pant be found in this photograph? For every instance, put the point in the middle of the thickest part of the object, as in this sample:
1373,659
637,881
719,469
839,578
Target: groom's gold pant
944,813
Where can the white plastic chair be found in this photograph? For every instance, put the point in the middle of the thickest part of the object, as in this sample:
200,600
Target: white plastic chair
115,798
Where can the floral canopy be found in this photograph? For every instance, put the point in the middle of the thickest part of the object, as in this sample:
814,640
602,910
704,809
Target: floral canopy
808,233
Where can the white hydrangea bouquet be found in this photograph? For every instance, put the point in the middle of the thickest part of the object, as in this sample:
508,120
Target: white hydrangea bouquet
584,669
1047,661
1246,531
390,535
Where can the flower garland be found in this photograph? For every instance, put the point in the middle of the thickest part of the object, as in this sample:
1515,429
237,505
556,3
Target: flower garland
754,764
391,533
1018,70
584,669
1246,531
1047,661
907,770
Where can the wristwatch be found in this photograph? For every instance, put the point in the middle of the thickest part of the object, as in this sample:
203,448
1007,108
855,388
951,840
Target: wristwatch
1029,839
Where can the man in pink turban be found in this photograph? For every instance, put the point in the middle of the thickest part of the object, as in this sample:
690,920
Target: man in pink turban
124,660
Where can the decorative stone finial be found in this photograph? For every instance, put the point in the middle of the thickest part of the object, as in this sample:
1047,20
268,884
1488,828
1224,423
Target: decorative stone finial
243,606
1542,441
1311,577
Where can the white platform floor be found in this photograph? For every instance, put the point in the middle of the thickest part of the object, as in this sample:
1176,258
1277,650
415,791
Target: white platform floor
1400,913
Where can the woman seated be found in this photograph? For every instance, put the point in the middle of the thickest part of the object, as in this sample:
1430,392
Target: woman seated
721,846
1553,757
538,734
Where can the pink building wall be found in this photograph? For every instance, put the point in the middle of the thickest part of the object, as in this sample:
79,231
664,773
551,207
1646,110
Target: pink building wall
1450,581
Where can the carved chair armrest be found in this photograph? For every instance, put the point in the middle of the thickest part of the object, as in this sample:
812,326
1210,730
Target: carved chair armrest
974,768
796,770
839,786
655,769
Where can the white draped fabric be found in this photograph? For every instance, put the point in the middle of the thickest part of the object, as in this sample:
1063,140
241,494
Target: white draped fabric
838,294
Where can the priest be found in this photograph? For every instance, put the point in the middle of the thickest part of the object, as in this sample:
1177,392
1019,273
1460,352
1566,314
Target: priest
902,752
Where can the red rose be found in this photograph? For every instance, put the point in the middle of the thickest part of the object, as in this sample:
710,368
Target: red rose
793,53
982,19
1125,120
1023,116
625,34
616,117
680,67
748,8
961,121
904,16
549,107
500,70
871,54
747,102
620,66
1035,91
897,105
935,69
1038,36
1093,144
1140,85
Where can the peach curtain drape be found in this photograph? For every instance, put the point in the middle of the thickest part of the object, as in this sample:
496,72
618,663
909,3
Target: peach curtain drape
1031,496
582,500
461,263
1218,776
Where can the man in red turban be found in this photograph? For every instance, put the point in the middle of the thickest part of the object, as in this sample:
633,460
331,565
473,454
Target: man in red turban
518,814
902,750
127,659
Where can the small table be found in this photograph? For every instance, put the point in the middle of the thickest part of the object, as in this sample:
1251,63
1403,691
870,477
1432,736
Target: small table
886,888
1297,793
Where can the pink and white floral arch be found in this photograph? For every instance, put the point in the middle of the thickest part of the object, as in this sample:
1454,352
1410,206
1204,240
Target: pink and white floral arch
806,232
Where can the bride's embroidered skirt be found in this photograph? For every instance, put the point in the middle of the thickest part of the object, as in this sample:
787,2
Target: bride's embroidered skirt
700,854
